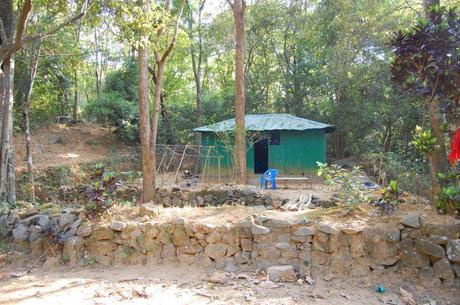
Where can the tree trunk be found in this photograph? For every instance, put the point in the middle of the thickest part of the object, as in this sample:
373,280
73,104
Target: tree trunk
26,114
148,160
240,132
156,110
438,158
7,177
96,45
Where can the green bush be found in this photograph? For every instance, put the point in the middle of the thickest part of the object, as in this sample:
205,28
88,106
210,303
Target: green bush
112,109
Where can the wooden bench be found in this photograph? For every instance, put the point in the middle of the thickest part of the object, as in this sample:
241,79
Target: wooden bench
300,179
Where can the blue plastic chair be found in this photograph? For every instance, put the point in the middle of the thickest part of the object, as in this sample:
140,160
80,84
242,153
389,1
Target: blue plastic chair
269,175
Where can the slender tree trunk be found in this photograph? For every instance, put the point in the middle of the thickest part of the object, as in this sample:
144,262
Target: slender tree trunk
96,44
26,114
240,132
148,157
7,177
160,66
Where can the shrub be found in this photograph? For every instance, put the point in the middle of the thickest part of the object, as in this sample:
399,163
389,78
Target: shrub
112,109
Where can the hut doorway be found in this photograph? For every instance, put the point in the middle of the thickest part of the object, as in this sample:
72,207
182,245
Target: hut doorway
261,156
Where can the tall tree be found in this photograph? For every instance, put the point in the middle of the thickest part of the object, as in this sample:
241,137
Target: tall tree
11,41
149,123
195,33
35,52
238,8
427,63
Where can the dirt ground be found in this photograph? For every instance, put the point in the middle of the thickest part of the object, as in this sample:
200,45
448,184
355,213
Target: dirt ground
60,144
169,284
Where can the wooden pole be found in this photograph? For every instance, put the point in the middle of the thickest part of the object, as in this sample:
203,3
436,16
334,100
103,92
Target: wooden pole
218,165
180,163
205,164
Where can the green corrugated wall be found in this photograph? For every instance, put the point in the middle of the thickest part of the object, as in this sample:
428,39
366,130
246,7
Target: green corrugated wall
297,153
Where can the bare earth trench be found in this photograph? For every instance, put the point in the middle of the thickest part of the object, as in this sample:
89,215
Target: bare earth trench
173,284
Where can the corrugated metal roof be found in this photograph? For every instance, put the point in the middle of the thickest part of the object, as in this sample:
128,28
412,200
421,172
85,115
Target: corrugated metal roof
260,122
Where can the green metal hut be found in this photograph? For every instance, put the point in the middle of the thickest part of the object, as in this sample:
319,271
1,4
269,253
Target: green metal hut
290,144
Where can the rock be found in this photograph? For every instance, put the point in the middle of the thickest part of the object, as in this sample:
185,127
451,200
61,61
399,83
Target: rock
453,250
35,233
429,248
259,230
284,273
21,233
456,268
200,201
150,209
103,232
176,202
84,230
444,271
26,212
230,267
246,244
169,253
218,277
117,226
73,249
411,220
52,262
214,237
66,220
311,206
242,257
305,231
208,198
428,279
276,204
216,251
167,202
351,230
179,237
416,259
327,228
389,231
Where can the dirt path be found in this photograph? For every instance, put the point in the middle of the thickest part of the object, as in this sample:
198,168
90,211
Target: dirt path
170,284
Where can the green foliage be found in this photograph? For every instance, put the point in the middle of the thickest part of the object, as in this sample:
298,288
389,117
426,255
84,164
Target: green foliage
448,199
411,173
114,110
389,199
349,187
423,141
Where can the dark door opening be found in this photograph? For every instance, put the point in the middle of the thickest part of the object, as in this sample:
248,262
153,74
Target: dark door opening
261,156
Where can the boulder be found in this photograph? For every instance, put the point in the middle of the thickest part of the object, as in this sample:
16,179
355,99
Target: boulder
411,220
84,230
259,230
117,226
73,249
305,231
327,228
453,250
216,251
179,237
66,219
428,279
21,233
429,248
283,273
242,257
444,271
103,232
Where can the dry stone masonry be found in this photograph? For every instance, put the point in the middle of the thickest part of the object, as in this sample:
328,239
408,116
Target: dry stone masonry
430,250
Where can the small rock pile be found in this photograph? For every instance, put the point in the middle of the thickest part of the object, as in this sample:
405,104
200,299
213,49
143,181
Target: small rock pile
220,195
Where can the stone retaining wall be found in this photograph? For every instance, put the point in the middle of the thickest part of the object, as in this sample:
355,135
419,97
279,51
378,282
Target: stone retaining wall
429,250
